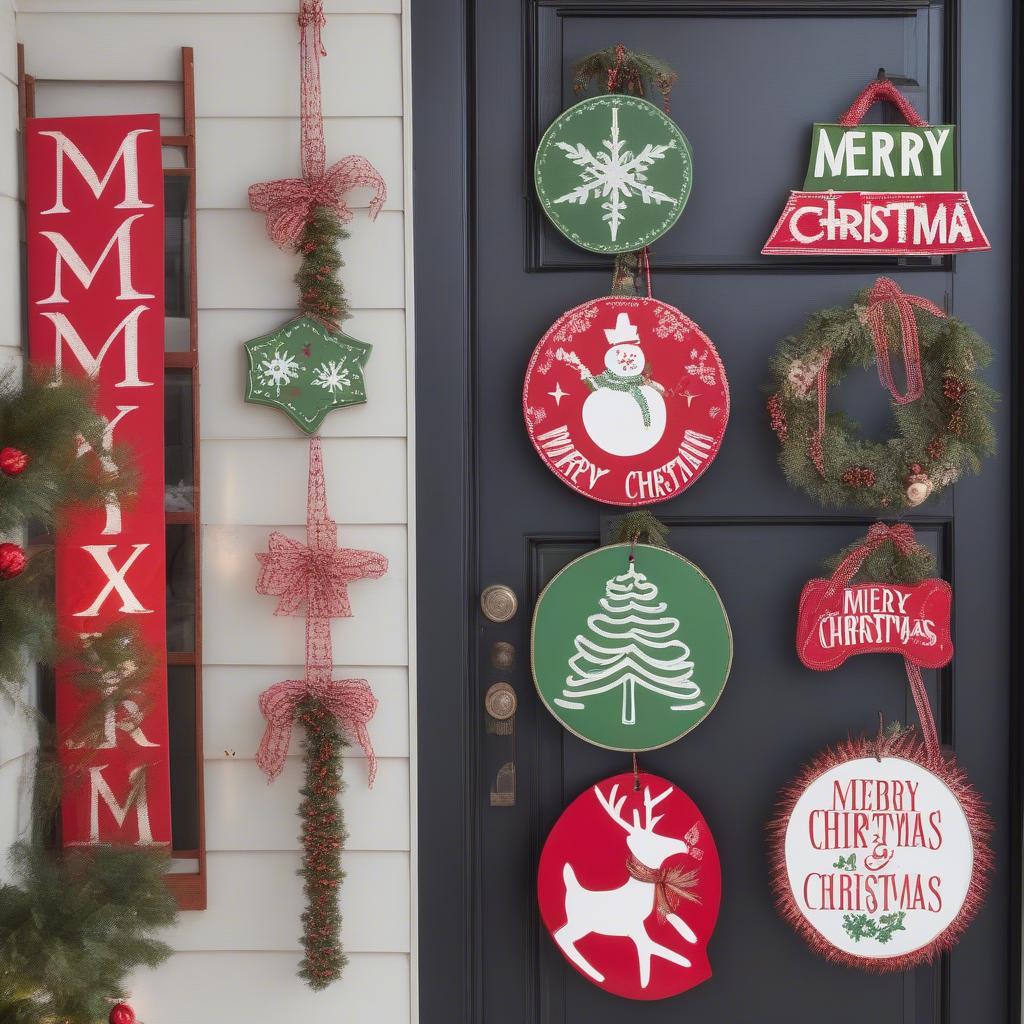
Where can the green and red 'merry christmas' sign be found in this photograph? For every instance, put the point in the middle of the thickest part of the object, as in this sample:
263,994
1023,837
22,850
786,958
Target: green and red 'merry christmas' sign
629,886
631,647
879,189
95,240
626,400
305,370
613,173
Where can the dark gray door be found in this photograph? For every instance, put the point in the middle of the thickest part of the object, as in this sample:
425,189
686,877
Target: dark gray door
491,277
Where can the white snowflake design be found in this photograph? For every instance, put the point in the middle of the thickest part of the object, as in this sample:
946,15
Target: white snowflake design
279,369
701,370
614,176
332,377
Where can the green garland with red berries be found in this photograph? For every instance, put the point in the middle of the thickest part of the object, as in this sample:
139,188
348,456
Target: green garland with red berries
73,925
943,420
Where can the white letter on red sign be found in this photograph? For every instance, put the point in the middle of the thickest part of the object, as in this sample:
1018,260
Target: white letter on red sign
130,604
128,154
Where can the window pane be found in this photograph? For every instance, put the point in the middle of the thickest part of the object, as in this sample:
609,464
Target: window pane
181,589
176,263
181,706
178,441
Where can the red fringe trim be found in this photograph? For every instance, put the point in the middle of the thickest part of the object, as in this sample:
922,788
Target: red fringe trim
906,745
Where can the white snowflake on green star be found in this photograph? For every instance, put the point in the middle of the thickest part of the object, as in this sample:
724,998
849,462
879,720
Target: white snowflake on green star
616,176
332,377
279,369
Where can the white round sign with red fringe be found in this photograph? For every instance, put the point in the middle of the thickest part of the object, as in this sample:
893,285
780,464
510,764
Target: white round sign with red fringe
626,400
880,854
629,886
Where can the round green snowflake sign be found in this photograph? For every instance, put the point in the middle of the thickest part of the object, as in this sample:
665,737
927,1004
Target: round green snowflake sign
630,653
613,173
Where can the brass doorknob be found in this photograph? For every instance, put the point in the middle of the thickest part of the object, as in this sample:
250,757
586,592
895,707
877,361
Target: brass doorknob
499,602
501,702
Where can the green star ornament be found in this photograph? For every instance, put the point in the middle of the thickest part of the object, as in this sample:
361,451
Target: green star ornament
306,371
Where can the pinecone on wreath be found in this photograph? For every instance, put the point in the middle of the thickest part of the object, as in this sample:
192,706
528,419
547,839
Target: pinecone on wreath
919,485
803,374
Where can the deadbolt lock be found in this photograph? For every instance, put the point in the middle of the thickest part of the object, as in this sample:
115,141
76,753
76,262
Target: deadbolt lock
503,654
499,602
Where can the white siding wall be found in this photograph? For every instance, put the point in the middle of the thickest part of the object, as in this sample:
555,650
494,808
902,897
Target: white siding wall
17,735
236,960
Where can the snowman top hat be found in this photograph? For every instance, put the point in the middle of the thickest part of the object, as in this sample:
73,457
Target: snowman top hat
623,332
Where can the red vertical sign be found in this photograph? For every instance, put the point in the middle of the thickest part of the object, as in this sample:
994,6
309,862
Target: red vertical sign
95,235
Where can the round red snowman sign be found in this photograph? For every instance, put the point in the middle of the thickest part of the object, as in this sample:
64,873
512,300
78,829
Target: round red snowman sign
629,886
626,400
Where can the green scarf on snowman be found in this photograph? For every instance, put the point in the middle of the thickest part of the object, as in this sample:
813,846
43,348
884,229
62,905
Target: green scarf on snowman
631,385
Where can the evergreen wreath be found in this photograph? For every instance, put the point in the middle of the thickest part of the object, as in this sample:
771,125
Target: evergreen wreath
943,418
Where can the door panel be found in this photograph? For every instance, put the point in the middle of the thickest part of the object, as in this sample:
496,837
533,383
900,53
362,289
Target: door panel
753,77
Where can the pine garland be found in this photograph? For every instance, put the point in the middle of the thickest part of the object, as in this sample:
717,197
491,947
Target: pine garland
43,419
947,431
887,564
73,927
323,837
321,293
640,526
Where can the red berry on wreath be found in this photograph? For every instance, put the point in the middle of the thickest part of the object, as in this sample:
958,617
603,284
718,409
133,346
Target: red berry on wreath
122,1013
12,560
13,461
953,387
777,417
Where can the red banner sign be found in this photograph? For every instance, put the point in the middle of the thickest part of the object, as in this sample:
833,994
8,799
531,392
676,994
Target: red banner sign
876,223
875,618
95,229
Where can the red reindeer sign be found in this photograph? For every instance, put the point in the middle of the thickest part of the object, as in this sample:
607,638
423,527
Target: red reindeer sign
629,886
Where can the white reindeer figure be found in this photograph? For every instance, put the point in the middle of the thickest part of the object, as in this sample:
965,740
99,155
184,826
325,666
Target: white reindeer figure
624,910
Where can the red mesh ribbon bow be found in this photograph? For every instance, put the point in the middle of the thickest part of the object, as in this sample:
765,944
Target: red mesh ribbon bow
289,202
884,292
671,885
315,574
901,535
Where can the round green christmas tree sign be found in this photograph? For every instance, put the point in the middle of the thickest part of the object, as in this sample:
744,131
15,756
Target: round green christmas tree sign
630,653
613,173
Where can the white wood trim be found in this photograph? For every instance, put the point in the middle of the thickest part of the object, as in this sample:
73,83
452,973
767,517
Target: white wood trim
410,567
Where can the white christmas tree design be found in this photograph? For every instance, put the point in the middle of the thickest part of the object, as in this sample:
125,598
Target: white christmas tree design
615,175
631,643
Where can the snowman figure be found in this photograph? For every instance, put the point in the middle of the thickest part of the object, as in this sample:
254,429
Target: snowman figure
625,413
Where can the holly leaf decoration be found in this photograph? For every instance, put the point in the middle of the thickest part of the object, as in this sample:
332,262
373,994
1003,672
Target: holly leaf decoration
863,926
890,923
